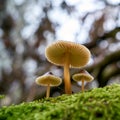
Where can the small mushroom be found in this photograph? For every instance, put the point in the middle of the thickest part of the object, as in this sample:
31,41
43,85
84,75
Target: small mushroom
48,80
67,54
82,76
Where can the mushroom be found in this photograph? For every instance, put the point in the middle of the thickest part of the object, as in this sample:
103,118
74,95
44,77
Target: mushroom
67,54
48,80
82,76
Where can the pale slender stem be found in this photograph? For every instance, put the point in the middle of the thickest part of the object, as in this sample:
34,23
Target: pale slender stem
82,85
48,91
67,81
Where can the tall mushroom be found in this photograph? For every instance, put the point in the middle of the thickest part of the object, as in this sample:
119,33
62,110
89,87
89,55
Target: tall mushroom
48,80
67,54
82,76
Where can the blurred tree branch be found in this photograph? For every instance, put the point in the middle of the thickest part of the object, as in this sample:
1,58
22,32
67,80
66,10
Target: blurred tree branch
97,39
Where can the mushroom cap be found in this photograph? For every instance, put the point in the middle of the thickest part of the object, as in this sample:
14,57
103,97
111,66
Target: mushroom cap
82,76
78,54
46,79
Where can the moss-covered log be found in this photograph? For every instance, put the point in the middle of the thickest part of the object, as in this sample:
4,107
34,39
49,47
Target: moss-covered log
95,104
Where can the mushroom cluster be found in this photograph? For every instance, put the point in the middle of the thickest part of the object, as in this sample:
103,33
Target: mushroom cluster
67,54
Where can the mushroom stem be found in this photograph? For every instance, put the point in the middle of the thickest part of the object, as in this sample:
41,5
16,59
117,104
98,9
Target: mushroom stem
82,85
67,76
48,91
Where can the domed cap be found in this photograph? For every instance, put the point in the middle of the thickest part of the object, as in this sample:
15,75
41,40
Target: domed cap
83,75
48,78
78,54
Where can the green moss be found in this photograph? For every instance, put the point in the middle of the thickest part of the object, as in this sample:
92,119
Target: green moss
2,96
96,104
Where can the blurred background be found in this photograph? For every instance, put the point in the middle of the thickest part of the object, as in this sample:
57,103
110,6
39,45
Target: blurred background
28,26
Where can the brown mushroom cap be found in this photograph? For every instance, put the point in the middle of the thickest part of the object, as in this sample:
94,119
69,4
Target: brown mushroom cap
82,76
78,54
50,79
